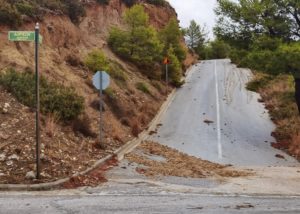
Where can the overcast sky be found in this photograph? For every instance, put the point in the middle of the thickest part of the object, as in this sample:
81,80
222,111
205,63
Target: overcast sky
202,11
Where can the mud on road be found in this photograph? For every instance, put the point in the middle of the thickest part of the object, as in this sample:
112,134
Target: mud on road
159,160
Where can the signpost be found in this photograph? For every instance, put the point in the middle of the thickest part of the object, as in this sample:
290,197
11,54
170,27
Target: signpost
37,89
23,36
101,81
167,62
32,36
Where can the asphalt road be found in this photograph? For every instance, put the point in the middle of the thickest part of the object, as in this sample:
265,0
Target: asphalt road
214,117
239,134
155,202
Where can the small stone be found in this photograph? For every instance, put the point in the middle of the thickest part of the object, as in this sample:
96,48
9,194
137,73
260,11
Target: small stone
6,105
14,157
42,146
4,110
19,132
30,175
1,174
45,175
9,163
2,157
4,136
42,156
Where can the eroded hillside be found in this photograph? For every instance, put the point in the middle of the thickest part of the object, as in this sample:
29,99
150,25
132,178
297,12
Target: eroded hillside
131,101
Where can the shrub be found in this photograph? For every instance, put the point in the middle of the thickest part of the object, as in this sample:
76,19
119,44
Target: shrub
53,4
117,72
73,60
143,87
26,8
129,3
103,1
9,15
83,125
54,98
157,2
157,85
175,71
96,61
219,50
171,36
139,44
110,93
74,9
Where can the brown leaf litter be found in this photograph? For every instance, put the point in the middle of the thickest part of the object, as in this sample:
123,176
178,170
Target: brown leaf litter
178,164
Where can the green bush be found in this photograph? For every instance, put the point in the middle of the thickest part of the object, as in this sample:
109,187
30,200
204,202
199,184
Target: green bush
116,71
175,71
143,87
110,93
54,98
9,15
74,9
26,8
171,36
96,61
219,50
139,44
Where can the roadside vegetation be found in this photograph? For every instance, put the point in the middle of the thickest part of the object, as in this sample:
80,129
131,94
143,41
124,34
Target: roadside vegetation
144,46
55,99
263,36
13,13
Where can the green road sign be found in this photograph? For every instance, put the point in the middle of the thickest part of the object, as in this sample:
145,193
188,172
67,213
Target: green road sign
19,36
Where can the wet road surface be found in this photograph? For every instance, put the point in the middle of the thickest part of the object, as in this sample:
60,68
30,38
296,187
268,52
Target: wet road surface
214,117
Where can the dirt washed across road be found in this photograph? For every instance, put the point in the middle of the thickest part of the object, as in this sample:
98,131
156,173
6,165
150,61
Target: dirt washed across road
215,118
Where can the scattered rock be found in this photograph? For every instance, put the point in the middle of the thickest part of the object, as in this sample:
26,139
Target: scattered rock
14,157
42,146
19,132
244,206
208,122
152,132
9,163
6,105
2,157
1,174
30,175
5,108
45,175
279,156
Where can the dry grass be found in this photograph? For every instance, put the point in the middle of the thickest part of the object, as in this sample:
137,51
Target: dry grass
278,95
135,127
295,146
83,125
50,125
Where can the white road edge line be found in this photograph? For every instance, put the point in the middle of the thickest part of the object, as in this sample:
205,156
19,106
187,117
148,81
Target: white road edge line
220,155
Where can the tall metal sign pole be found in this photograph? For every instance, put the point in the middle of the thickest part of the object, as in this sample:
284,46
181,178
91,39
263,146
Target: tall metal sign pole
37,87
32,36
101,81
101,107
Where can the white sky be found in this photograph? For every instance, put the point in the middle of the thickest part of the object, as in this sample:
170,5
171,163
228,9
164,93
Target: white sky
202,11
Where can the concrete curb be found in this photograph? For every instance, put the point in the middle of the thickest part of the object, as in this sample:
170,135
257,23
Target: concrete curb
119,153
